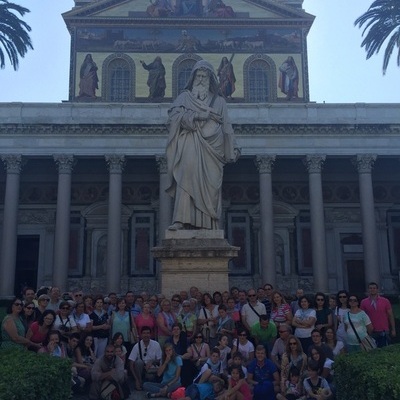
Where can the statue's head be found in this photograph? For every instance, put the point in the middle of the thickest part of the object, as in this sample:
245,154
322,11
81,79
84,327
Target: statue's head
203,67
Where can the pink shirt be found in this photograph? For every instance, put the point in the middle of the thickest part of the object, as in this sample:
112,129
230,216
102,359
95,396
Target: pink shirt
278,314
244,389
379,314
150,322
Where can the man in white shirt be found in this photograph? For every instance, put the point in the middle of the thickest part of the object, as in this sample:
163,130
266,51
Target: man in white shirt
252,310
145,358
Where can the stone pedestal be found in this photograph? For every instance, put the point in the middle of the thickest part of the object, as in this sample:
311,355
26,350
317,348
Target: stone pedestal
194,258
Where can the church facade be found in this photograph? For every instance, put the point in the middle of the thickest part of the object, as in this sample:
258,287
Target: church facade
313,201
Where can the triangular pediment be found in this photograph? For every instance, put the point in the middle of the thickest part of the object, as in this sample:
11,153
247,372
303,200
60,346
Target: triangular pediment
247,9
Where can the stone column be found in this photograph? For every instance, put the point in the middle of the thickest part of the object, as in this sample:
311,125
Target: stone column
13,164
264,164
320,268
65,164
165,206
364,164
115,164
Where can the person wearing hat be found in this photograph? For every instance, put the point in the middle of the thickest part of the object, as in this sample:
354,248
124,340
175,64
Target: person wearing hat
65,322
43,301
188,320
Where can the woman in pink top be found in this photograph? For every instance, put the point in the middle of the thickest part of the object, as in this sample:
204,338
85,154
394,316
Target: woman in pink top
281,312
39,330
146,318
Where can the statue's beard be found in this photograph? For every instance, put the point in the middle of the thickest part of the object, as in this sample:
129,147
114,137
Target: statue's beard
200,91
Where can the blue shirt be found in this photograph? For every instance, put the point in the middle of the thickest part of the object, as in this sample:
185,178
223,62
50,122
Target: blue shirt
263,373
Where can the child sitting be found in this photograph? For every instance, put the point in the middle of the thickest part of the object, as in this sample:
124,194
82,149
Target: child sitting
315,386
212,369
238,388
291,388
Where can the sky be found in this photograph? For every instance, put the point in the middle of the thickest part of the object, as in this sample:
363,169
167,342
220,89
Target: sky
338,69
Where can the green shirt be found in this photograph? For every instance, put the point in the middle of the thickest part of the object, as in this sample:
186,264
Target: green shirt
264,335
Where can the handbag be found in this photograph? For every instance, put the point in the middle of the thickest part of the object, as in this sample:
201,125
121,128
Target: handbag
110,391
368,343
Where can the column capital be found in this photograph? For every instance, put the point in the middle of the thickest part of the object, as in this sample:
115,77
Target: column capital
265,163
161,161
65,162
13,163
115,163
314,163
364,163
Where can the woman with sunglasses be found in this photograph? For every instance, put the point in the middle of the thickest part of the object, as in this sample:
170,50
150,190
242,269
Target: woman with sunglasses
292,357
323,312
65,322
28,314
358,320
342,308
12,328
198,352
39,330
244,346
188,320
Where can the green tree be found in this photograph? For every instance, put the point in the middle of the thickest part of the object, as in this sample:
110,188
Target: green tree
14,37
381,20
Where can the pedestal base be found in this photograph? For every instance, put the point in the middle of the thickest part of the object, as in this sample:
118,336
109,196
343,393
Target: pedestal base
194,258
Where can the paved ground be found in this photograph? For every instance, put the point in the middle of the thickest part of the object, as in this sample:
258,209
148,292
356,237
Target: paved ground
135,395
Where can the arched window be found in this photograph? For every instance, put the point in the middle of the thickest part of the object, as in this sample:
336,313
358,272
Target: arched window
259,79
119,78
181,70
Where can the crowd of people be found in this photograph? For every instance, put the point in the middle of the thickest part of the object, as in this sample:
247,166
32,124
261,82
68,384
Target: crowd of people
255,344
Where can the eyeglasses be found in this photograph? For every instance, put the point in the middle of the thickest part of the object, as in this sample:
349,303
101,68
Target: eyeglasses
18,304
343,297
29,308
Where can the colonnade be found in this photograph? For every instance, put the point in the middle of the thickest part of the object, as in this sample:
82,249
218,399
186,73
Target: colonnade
115,163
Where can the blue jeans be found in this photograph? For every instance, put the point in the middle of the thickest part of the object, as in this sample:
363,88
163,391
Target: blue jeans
153,387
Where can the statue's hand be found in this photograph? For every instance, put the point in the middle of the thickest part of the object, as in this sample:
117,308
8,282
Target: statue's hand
203,115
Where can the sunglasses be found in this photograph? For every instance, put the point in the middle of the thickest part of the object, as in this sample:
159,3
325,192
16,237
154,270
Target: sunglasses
199,337
78,295
145,352
342,297
320,299
352,300
17,304
29,308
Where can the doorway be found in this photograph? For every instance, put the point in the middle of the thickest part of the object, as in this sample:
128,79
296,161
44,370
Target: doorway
27,262
356,276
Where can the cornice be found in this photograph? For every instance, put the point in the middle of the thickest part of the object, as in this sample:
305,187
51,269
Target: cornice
161,130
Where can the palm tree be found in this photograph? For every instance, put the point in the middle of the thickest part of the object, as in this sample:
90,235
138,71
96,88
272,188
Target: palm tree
14,37
382,19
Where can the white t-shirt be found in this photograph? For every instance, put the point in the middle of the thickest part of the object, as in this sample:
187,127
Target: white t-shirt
303,315
151,352
245,349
